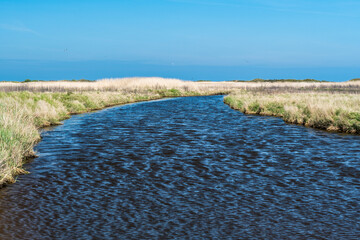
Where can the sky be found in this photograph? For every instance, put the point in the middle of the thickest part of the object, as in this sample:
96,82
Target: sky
187,39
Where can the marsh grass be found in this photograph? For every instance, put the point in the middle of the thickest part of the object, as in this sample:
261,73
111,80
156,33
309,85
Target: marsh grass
140,85
123,85
333,112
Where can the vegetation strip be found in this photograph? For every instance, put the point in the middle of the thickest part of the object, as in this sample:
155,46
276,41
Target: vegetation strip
333,112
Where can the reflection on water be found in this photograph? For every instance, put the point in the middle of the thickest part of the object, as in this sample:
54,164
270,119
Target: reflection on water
185,168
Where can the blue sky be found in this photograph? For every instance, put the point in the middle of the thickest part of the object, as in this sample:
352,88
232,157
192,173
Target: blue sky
189,39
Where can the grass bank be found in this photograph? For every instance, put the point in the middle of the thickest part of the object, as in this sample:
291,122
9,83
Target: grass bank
22,113
329,111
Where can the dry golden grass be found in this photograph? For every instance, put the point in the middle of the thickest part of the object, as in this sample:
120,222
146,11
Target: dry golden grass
118,84
155,83
333,112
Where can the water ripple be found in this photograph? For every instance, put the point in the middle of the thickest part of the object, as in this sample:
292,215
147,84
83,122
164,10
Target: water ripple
187,168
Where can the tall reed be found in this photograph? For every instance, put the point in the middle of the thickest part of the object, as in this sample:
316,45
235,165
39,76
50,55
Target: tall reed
144,84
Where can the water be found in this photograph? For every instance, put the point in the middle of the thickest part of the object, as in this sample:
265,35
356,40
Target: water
185,168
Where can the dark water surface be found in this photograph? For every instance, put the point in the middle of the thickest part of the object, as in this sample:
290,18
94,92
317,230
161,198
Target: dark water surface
185,168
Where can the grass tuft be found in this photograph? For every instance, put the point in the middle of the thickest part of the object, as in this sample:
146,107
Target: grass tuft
334,112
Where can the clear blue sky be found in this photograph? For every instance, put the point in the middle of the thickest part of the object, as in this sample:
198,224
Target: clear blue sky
189,39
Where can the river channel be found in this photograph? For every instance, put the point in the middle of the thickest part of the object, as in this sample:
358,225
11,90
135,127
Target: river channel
185,168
